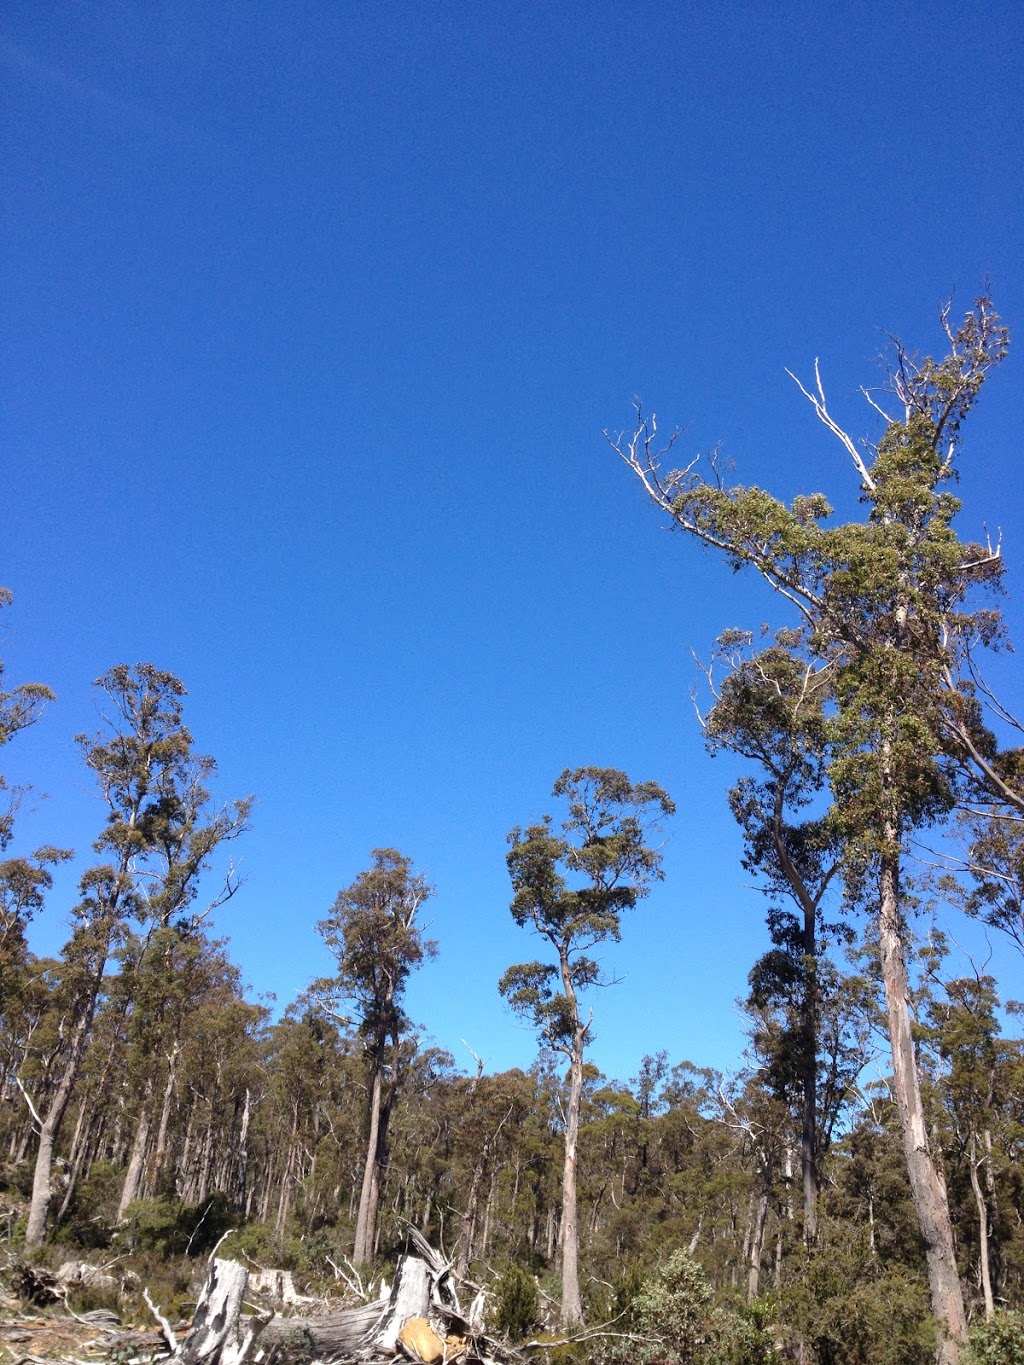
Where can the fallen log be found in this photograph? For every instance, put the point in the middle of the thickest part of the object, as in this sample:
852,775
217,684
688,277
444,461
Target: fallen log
419,1320
331,1336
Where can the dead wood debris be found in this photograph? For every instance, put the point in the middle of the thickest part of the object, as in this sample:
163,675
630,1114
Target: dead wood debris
420,1319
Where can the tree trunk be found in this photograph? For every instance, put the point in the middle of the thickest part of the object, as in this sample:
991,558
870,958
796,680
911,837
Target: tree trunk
927,1186
366,1220
49,1131
79,1147
756,1246
983,1238
160,1154
137,1159
217,1336
809,1107
571,1310
808,1025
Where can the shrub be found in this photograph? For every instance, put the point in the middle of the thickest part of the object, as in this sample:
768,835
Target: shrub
516,1305
171,1228
672,1313
851,1310
745,1337
997,1342
92,1217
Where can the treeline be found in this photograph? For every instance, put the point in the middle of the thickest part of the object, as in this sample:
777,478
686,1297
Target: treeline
146,1102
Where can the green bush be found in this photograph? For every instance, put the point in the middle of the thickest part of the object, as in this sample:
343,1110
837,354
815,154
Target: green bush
92,1217
171,1228
673,1316
516,1303
745,1336
852,1310
998,1342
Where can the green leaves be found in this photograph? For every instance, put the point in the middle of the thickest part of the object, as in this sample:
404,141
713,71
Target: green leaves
372,932
572,888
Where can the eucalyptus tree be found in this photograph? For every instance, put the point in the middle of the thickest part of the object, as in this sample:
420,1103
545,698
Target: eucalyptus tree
886,603
20,707
571,889
163,964
772,708
24,881
373,934
144,766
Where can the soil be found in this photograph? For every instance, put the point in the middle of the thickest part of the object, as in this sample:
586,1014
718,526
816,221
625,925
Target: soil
34,1337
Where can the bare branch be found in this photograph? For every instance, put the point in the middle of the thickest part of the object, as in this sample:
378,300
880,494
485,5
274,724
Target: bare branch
165,1326
820,406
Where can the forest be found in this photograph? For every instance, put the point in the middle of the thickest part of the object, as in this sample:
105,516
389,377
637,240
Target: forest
796,1208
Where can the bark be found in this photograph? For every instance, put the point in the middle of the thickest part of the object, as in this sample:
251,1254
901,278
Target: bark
49,1131
927,1186
570,1312
808,1025
79,1147
467,1227
366,1220
983,1236
160,1154
131,1188
759,1223
217,1336
485,1239
410,1298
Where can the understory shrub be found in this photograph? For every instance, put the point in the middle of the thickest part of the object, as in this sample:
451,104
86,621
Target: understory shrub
516,1303
672,1316
998,1342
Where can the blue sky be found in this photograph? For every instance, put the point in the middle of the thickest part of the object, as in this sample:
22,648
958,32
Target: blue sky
314,315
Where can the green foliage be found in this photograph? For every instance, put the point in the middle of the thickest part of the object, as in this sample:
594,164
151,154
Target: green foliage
92,1217
171,1228
853,1310
372,933
572,889
516,1303
998,1342
745,1336
672,1315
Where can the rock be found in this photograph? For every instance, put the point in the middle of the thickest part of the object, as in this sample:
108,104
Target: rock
419,1338
82,1273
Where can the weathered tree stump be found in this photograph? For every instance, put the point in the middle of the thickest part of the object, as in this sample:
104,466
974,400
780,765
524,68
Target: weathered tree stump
217,1335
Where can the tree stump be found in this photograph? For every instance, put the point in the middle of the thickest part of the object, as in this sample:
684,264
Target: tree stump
216,1336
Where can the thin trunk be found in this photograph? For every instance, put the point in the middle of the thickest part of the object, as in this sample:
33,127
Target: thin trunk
286,1179
927,1186
366,1220
242,1178
468,1223
570,1313
49,1131
486,1236
756,1250
160,1154
75,1161
137,1160
808,1025
983,1239
994,1251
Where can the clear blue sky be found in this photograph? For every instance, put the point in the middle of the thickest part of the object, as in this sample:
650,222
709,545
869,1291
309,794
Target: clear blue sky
313,316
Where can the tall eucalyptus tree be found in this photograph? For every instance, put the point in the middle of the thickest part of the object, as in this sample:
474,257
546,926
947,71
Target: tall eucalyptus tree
886,603
571,889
